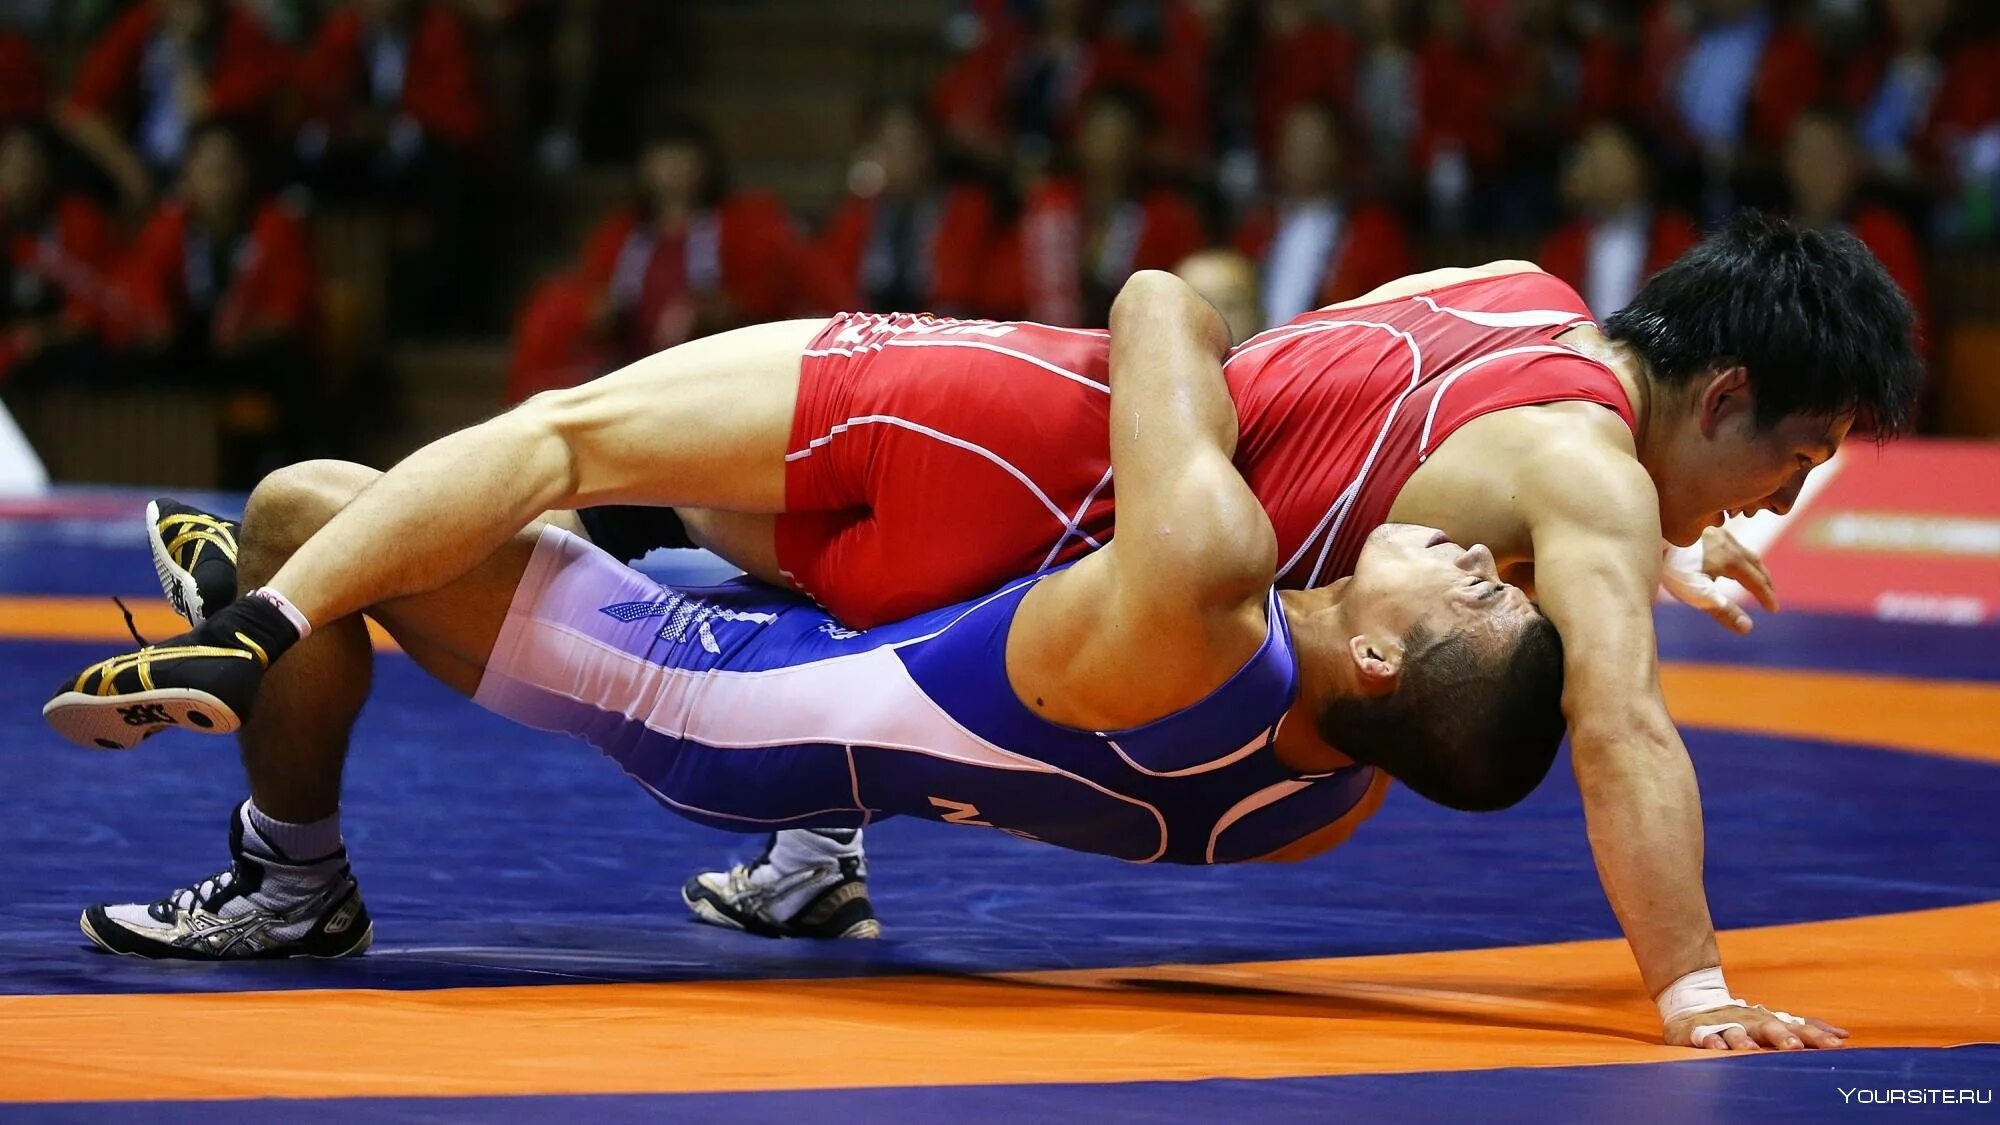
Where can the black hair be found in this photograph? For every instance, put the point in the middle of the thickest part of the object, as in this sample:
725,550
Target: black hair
666,127
1810,314
1471,731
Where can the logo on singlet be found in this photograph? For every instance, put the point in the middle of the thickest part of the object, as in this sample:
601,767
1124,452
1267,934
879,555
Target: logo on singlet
686,617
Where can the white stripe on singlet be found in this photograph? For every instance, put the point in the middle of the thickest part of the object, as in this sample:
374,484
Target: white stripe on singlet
1444,384
1027,482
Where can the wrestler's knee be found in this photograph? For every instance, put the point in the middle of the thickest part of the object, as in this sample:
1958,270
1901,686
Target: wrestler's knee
292,503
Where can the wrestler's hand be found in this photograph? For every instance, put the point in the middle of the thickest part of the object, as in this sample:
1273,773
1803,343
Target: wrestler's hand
1723,557
1752,1029
1689,574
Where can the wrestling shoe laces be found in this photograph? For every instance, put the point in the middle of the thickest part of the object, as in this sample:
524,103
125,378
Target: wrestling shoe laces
223,917
204,680
194,554
748,896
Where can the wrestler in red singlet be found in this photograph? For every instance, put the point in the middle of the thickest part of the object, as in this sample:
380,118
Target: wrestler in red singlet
933,460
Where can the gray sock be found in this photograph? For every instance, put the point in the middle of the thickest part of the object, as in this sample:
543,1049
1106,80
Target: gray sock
288,884
301,844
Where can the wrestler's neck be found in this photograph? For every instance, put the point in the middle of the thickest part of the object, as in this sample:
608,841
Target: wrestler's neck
1314,616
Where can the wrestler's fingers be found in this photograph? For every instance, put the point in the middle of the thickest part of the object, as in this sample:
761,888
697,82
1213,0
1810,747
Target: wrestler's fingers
1757,580
1738,1039
1816,1022
1733,617
1820,1037
1776,1035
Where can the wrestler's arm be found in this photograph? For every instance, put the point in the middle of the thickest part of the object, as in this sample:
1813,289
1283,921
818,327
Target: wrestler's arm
1596,567
1174,604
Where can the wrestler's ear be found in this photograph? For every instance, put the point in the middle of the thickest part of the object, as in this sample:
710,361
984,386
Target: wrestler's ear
1725,395
1378,663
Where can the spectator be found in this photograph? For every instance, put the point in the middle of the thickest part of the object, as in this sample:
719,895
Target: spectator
24,88
221,288
1299,57
904,240
387,86
1619,236
1315,246
1823,173
394,115
1387,97
160,70
1918,89
1081,236
1021,89
1017,88
57,253
687,258
1228,281
1736,76
1557,70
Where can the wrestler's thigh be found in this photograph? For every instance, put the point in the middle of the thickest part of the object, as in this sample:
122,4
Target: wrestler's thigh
746,541
706,423
450,631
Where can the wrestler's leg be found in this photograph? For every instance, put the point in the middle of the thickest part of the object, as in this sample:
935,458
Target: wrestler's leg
706,424
288,891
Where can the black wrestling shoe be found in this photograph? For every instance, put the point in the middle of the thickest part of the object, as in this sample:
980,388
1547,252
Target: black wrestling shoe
218,918
194,553
741,899
204,681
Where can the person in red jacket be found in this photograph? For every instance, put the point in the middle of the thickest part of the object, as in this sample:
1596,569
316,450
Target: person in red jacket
1317,247
161,69
1079,237
903,240
385,84
1619,235
395,117
1823,172
24,87
688,257
221,293
57,251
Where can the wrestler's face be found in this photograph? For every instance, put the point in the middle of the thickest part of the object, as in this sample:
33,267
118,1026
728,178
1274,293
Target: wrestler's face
1409,576
1728,465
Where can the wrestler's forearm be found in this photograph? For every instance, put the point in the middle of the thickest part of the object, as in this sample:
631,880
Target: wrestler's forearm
1643,812
432,518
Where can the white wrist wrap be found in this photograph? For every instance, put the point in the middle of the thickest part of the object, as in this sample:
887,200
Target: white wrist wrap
1700,991
285,607
1681,574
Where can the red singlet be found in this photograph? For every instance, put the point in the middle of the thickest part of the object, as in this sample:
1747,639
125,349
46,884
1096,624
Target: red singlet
933,460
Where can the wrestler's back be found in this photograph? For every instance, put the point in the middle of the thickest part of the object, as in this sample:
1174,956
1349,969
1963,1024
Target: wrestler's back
1338,407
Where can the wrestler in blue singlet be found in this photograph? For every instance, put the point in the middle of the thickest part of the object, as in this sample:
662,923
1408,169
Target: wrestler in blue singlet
749,708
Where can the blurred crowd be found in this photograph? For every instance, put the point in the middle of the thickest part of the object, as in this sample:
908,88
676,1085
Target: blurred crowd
155,178
1071,142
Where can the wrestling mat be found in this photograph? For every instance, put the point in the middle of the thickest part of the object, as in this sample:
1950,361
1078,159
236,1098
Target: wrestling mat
533,959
